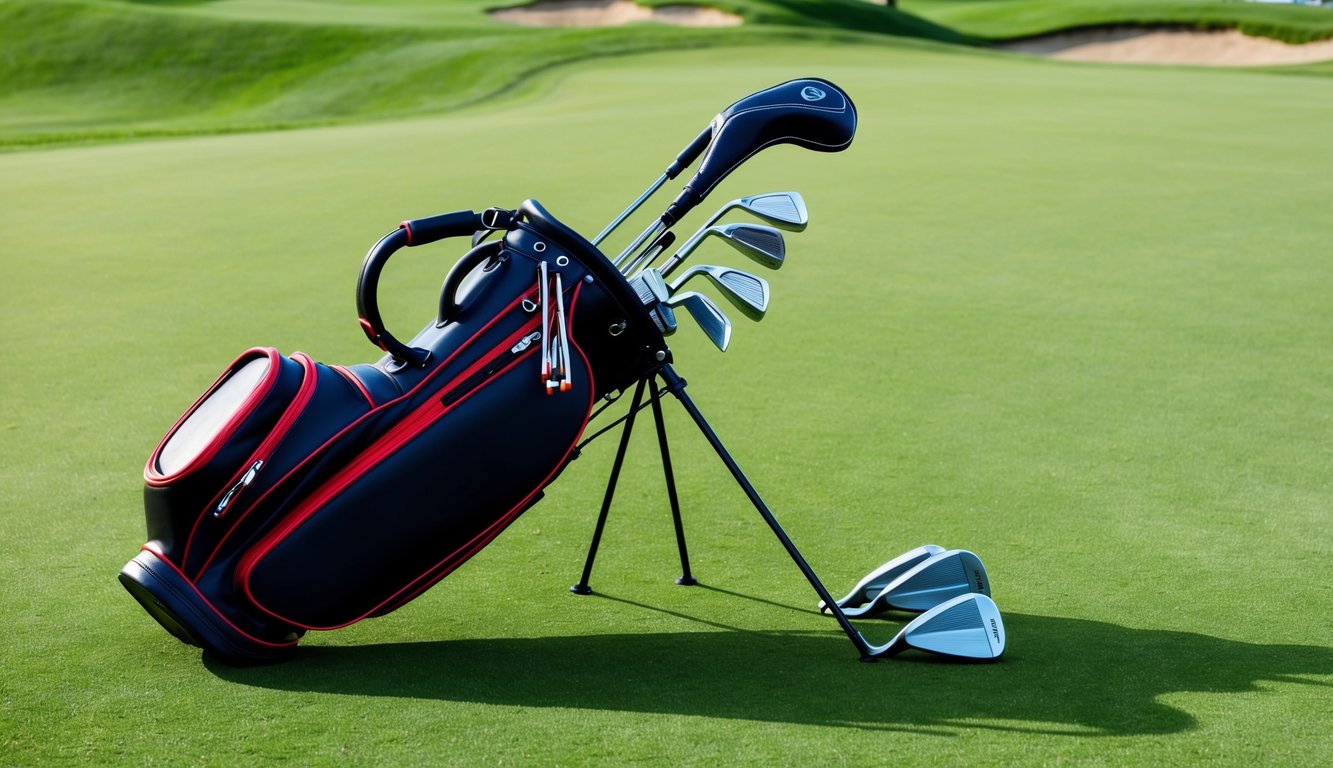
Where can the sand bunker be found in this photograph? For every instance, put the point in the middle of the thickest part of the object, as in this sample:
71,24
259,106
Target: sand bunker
1137,45
610,13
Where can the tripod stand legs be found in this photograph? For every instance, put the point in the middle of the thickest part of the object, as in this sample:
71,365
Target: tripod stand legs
676,386
582,587
686,578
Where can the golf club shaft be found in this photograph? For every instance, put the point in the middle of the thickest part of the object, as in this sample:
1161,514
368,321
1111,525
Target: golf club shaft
653,230
634,206
650,253
689,246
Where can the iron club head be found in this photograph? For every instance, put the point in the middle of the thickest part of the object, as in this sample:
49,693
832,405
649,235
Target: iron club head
714,324
785,210
965,627
747,292
929,583
875,581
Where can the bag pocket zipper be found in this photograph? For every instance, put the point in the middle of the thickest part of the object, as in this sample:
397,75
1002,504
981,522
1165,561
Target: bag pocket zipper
498,363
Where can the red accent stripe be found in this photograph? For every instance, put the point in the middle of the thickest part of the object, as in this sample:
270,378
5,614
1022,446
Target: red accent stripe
407,225
156,479
388,444
452,562
354,381
304,394
424,382
249,636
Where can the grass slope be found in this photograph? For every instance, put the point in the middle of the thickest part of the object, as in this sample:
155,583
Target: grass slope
92,70
1072,317
1009,19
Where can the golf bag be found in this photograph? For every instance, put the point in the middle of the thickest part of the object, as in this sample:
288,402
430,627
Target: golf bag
295,495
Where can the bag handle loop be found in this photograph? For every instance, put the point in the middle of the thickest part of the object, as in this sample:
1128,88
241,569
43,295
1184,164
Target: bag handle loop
412,233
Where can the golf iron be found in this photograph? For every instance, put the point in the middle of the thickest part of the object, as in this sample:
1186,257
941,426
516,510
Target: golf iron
875,581
762,244
933,581
715,325
966,627
747,292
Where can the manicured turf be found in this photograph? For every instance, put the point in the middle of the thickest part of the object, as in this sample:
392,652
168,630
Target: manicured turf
1006,19
1072,317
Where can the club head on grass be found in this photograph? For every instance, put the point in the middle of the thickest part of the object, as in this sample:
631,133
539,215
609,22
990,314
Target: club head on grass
714,324
965,627
875,581
746,292
929,583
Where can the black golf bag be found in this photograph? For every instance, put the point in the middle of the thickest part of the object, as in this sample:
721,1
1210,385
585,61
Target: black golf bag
296,495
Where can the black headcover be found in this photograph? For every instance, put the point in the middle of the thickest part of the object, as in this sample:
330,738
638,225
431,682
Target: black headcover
810,112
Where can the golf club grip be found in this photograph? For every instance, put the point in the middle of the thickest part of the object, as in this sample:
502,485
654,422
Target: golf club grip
470,261
440,226
691,152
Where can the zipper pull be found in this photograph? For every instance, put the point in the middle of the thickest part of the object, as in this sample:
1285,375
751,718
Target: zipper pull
246,479
525,342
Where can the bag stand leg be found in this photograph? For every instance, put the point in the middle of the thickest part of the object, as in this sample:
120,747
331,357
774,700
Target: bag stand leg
674,384
686,579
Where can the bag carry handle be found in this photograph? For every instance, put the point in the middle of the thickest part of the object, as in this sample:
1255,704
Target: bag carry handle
412,233
470,261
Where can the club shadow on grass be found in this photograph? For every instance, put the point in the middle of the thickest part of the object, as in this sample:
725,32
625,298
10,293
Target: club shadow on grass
1059,676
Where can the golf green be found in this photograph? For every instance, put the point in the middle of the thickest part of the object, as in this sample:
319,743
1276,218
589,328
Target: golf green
1074,318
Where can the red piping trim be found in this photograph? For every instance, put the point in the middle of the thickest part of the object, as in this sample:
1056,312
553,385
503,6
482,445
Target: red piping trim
387,445
304,394
452,562
482,539
354,381
237,520
153,477
206,601
407,225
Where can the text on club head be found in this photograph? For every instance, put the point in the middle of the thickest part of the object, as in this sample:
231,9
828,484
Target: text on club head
981,585
995,630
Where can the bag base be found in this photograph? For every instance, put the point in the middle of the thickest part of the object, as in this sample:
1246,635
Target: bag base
179,607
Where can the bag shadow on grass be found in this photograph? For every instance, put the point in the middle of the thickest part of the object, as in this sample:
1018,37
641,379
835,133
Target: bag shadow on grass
1059,676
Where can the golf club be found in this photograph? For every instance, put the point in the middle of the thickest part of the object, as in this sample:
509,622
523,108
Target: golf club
929,583
714,324
651,253
809,112
875,581
966,627
747,292
764,245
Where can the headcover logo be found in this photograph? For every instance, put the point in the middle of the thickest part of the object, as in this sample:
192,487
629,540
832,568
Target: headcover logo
811,93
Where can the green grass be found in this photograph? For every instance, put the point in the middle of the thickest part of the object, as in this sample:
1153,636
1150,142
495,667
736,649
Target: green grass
1008,19
79,71
1072,317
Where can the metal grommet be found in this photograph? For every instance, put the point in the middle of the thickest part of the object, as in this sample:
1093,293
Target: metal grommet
561,261
539,247
617,328
661,355
588,279
529,305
